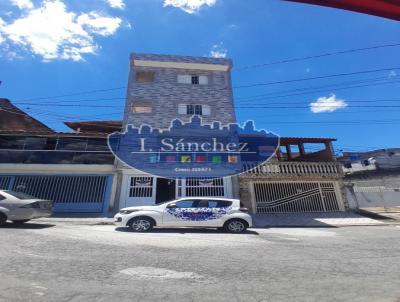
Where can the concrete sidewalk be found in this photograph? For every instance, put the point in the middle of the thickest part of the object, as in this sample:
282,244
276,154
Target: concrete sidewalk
336,219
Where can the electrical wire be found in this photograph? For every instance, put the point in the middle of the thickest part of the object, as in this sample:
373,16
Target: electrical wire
327,54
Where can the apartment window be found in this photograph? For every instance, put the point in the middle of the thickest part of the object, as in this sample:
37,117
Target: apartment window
141,186
194,109
192,79
144,76
142,108
195,80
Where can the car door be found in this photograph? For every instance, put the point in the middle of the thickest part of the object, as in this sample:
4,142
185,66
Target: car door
183,212
196,213
11,205
219,210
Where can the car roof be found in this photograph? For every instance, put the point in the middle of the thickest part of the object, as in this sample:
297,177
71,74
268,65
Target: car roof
208,197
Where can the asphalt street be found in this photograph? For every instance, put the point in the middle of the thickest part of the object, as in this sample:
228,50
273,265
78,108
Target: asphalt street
72,262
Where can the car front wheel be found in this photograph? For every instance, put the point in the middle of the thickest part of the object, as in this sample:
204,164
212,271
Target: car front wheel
141,224
235,226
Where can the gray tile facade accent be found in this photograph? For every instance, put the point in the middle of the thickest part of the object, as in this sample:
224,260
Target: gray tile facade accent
165,93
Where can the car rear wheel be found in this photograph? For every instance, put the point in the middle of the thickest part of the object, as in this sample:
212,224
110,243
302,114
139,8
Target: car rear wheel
235,226
3,219
141,224
20,221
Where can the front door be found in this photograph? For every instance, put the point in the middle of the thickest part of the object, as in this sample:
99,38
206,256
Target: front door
140,191
165,190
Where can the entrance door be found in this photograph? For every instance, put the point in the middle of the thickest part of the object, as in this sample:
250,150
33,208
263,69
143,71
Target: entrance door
165,190
140,191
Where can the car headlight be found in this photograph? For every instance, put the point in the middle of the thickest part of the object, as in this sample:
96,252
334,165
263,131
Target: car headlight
124,212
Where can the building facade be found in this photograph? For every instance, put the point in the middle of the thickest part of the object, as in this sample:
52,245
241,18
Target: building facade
162,88
372,179
304,176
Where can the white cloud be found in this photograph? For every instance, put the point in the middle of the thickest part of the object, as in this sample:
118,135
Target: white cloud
218,51
392,74
2,23
22,4
53,32
327,104
116,3
98,24
189,6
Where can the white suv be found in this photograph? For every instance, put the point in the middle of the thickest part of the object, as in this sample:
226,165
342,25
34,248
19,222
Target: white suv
187,212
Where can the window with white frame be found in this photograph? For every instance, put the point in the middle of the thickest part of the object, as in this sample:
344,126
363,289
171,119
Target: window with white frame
144,76
192,79
212,187
141,186
194,109
142,107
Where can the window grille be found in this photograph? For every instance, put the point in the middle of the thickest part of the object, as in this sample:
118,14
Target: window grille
141,186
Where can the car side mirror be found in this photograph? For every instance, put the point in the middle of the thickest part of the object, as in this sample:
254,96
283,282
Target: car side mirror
172,206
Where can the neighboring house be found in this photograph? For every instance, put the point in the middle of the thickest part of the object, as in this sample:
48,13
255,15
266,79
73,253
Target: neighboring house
13,119
372,178
74,170
303,177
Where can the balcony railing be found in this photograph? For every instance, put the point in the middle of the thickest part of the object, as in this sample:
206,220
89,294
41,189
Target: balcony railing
297,168
56,157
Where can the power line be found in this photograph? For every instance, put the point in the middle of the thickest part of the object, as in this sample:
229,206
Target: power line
250,106
240,98
311,89
234,87
321,106
14,112
72,94
317,78
313,92
336,122
327,54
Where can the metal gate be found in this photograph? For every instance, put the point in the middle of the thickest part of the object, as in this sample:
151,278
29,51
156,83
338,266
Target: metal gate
70,193
295,197
197,186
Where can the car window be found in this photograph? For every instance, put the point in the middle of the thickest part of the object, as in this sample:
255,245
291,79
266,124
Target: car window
2,197
202,204
219,203
186,204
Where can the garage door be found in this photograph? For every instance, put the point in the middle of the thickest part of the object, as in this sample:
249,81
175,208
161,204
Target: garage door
295,197
70,193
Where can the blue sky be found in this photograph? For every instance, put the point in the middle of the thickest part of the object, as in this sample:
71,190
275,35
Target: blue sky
59,47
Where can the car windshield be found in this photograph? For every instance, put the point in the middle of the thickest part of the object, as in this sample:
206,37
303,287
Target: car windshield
20,195
164,202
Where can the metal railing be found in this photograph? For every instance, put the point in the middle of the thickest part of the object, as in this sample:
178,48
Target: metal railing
297,168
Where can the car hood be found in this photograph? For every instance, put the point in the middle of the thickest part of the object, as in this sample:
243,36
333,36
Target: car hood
29,201
142,208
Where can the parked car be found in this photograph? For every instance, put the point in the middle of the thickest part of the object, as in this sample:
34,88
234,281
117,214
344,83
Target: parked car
187,212
20,207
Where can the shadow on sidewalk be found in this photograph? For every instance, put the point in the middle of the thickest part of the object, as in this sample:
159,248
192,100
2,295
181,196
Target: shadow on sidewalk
27,225
185,231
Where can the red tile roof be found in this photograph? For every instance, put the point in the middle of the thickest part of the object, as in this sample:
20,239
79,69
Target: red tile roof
15,120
